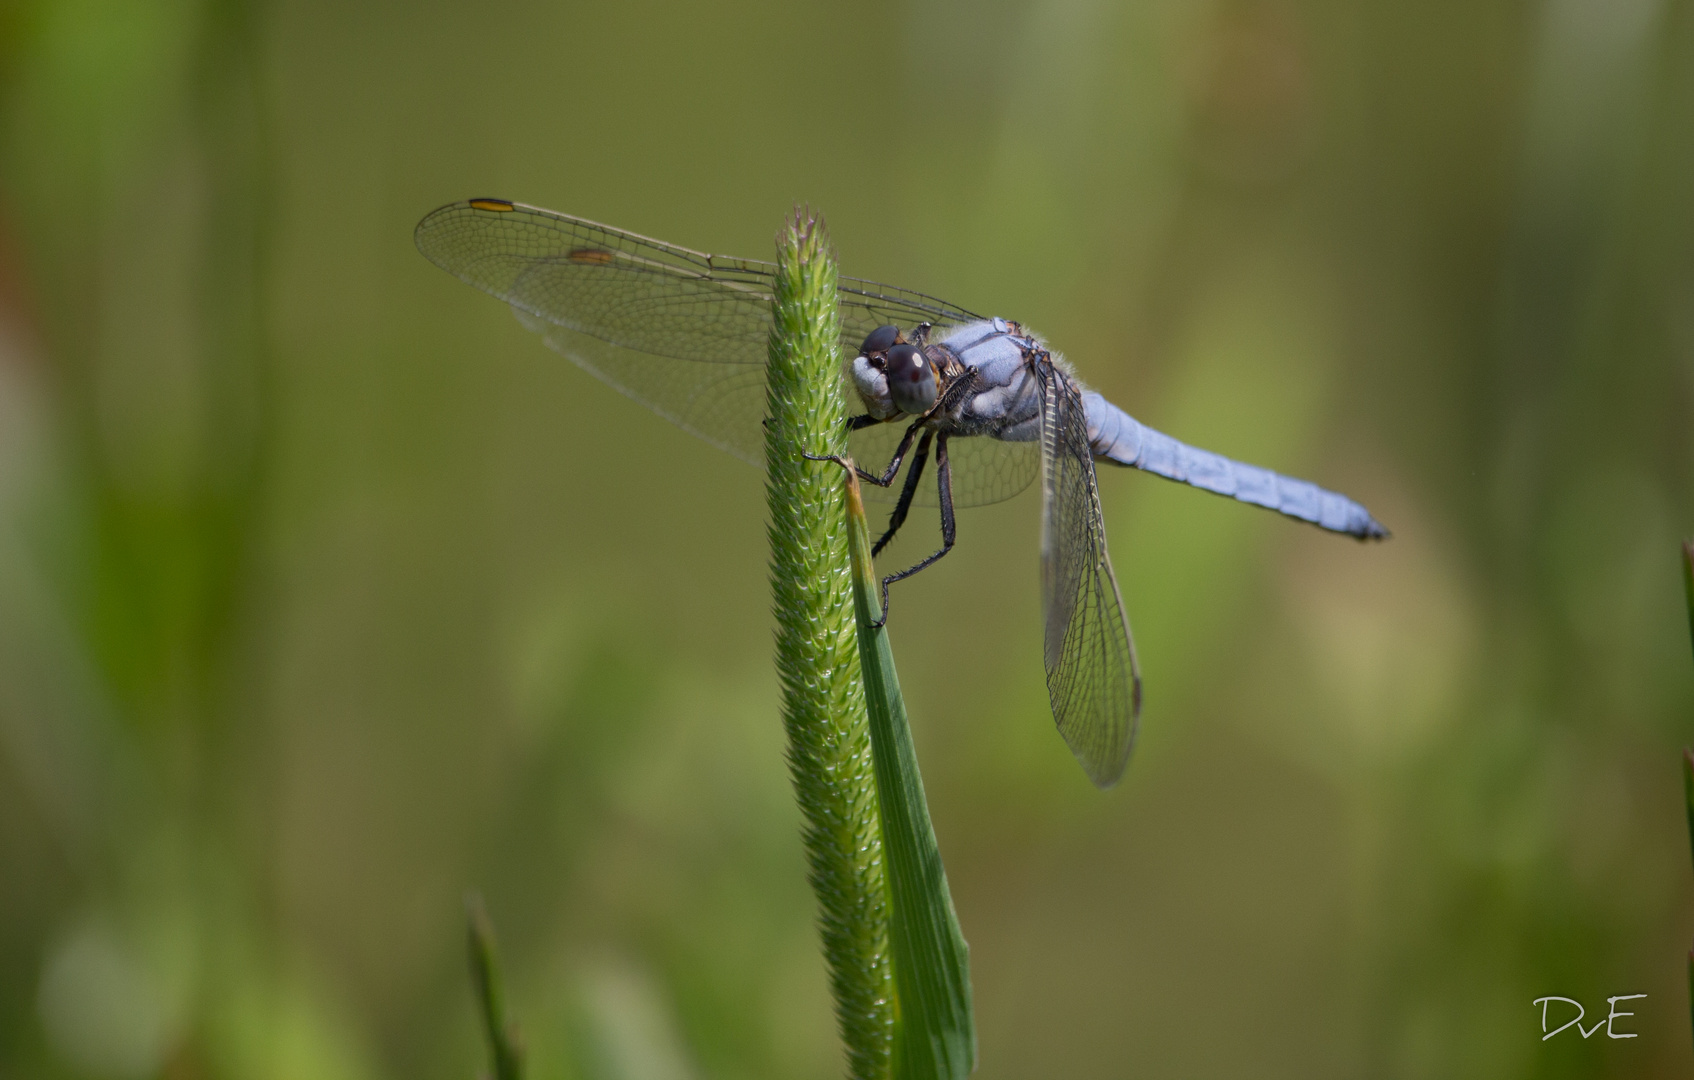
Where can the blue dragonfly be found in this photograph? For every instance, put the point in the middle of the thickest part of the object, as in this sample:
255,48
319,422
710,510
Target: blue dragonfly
685,333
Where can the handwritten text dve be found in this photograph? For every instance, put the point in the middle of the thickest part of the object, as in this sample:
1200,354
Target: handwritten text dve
1614,1015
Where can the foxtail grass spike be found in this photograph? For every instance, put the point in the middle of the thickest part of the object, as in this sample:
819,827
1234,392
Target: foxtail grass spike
817,659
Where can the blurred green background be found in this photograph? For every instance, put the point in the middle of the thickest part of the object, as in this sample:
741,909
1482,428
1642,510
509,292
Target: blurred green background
326,592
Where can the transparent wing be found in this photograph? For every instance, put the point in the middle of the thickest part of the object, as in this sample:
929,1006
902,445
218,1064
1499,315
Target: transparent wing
985,470
1092,677
681,331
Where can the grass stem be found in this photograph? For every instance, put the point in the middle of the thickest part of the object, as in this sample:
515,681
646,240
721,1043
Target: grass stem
504,1053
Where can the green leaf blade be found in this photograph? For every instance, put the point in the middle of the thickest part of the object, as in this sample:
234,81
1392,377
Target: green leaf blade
935,1038
505,1055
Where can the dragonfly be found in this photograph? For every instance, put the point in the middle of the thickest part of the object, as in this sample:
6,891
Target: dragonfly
685,333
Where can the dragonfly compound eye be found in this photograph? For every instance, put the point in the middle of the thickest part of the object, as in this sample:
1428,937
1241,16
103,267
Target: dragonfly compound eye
911,379
880,340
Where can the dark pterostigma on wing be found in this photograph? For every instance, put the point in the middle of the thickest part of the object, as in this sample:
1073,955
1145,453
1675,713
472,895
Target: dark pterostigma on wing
636,292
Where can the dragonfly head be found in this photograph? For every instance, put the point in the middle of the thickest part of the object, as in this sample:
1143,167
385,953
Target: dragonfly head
894,376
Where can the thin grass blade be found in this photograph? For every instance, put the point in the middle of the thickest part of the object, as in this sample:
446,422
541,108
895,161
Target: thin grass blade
1688,755
1688,583
1688,804
934,1035
505,1055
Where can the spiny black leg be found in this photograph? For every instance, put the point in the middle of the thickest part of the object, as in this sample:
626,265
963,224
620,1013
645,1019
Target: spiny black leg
944,487
854,423
887,477
898,517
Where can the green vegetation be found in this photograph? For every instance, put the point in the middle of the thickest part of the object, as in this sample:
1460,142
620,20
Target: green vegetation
327,592
823,703
935,1033
505,1055
1687,754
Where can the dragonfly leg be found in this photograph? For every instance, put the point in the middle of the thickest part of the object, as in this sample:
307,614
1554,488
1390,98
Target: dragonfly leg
854,423
887,477
907,493
949,533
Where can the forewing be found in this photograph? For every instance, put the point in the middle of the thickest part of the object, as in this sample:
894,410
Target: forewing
627,290
681,331
1092,677
723,404
866,305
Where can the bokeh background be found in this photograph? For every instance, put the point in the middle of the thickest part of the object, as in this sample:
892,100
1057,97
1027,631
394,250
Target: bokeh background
327,593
